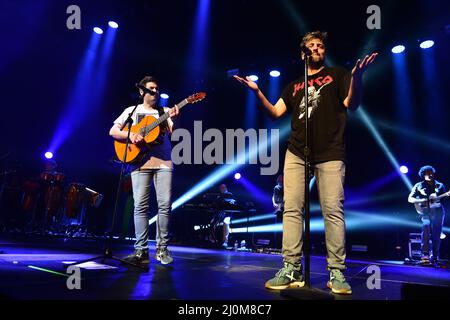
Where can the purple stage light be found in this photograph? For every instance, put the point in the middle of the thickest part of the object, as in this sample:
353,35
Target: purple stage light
164,96
253,77
237,176
48,155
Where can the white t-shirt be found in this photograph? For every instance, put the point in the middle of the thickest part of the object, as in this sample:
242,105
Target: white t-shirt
159,155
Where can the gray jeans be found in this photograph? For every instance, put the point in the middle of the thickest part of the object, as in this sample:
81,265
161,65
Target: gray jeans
142,181
330,184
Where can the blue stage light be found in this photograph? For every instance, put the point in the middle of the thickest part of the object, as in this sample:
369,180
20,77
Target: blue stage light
398,49
237,176
164,96
275,73
98,30
113,24
253,77
48,155
427,44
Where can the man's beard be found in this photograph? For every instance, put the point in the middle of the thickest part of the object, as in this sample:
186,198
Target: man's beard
316,64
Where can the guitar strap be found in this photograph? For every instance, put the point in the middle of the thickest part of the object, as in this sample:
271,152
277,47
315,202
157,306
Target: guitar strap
163,128
163,125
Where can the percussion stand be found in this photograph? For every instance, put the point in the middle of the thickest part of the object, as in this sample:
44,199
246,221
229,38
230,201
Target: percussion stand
83,229
34,222
84,223
108,254
46,221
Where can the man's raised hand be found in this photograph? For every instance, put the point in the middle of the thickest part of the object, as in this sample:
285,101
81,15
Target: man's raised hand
360,67
247,82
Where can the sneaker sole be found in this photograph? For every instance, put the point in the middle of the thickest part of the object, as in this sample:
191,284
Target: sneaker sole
159,259
295,284
342,291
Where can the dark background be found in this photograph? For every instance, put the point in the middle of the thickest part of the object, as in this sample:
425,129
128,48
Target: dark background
39,59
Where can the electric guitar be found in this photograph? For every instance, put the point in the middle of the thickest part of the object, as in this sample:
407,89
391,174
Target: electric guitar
423,207
149,128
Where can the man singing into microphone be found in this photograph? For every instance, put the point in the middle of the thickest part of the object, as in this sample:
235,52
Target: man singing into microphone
156,166
331,92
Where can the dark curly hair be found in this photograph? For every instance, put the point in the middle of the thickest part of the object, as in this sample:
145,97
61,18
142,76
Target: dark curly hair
425,169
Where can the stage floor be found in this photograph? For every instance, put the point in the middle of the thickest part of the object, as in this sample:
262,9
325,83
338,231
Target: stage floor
33,269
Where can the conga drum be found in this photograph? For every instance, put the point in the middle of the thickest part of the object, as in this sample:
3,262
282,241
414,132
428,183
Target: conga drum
58,177
47,176
31,190
75,198
53,198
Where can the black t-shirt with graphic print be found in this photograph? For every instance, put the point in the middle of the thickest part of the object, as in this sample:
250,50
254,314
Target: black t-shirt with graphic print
326,93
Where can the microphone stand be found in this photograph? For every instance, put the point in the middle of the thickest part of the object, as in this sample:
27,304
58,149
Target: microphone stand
108,254
307,292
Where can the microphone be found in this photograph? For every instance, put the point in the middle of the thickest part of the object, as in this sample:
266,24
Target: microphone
306,51
150,92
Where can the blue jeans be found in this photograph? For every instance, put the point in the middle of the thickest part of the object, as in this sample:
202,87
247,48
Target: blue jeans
142,181
330,184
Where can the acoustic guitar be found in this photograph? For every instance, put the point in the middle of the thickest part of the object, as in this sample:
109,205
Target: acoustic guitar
149,128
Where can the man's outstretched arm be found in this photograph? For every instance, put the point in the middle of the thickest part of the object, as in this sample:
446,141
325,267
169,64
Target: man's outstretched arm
354,96
274,111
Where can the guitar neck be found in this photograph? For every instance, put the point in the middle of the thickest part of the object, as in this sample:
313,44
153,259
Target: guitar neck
164,117
443,195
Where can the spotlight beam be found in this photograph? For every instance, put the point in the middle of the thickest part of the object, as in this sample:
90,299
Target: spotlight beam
355,220
197,57
225,170
70,118
382,144
428,140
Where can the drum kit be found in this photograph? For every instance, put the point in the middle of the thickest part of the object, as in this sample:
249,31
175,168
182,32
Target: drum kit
53,209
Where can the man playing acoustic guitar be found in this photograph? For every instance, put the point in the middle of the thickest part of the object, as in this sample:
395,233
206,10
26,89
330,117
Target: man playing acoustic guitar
426,195
155,165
